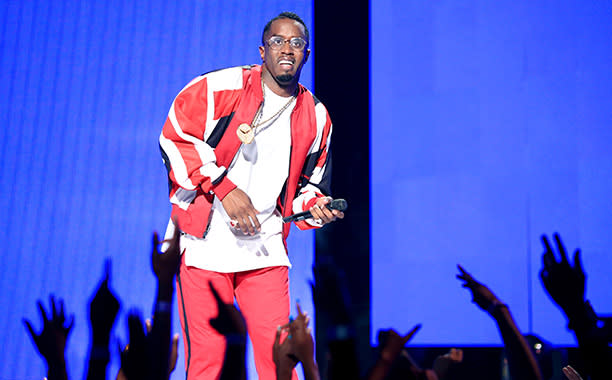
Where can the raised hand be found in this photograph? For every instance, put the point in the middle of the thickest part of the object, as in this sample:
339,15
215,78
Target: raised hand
394,343
51,342
229,322
321,214
564,282
103,310
571,373
283,354
165,265
481,295
239,208
302,341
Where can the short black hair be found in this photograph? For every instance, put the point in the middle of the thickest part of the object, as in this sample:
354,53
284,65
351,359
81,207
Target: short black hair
282,15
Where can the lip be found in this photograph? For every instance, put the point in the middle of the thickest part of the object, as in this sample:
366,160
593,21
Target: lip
286,61
285,64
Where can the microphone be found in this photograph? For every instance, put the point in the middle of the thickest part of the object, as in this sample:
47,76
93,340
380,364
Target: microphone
336,204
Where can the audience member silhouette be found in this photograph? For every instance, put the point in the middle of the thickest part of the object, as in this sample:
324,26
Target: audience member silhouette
521,362
51,342
565,283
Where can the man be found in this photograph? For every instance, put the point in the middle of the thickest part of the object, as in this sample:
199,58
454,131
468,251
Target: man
244,147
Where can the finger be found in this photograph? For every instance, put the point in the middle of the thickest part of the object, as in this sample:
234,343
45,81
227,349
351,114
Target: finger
253,224
43,314
461,269
28,327
338,214
71,324
548,258
328,216
61,312
277,336
156,242
242,223
578,261
465,275
53,307
411,333
256,224
299,309
107,269
286,325
149,325
560,247
315,211
215,294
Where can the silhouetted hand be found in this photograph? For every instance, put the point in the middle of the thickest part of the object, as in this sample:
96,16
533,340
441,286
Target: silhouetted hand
165,265
229,322
239,208
394,343
51,342
301,337
481,295
103,310
283,354
564,282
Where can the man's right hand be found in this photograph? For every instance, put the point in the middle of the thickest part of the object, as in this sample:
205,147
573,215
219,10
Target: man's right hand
238,207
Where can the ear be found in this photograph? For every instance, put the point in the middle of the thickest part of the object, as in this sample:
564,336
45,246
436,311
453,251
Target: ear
306,55
262,53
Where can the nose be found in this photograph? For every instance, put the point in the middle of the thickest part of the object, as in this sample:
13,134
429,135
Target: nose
286,48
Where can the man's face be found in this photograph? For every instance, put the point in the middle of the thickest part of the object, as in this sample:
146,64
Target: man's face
284,64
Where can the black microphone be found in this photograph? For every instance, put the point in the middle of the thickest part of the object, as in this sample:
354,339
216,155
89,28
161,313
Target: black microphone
336,204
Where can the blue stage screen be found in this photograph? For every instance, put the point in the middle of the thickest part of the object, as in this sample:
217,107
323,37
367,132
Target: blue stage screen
86,87
491,125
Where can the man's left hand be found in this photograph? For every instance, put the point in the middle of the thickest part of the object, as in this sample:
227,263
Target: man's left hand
321,214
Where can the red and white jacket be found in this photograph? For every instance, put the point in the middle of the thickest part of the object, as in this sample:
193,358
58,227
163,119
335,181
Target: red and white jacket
198,143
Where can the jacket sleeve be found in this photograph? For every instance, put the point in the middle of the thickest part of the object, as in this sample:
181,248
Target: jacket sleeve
190,161
316,177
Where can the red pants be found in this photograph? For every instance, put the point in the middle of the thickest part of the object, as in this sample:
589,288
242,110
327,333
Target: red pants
263,299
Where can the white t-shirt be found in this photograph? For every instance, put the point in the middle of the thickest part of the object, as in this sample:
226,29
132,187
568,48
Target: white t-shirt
260,169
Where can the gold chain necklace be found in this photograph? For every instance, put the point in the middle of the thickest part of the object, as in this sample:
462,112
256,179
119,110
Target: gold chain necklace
246,132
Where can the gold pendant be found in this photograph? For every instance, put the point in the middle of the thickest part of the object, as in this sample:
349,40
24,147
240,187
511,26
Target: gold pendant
245,133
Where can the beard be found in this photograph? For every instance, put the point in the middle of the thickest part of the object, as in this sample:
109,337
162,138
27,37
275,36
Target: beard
284,78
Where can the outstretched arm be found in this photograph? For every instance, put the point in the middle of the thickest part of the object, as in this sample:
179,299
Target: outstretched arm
165,266
521,361
103,311
565,284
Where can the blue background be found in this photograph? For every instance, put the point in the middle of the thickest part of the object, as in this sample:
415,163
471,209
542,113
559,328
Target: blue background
490,126
86,87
